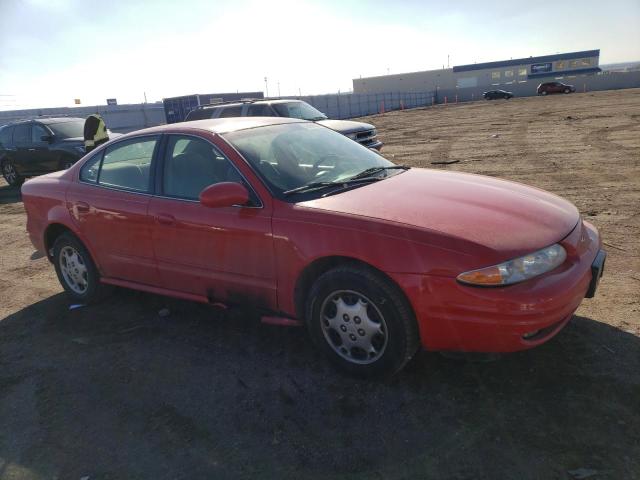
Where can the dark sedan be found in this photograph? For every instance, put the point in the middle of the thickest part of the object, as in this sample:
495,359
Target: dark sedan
33,147
496,94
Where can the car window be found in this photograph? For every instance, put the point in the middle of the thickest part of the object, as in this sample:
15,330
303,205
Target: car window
70,129
5,136
231,112
127,164
22,133
37,132
300,110
192,164
260,110
90,169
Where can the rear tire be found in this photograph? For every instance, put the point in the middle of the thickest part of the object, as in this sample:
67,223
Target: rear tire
76,270
10,174
361,321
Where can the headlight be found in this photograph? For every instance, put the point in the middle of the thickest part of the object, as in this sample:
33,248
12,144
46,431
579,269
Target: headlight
516,270
352,136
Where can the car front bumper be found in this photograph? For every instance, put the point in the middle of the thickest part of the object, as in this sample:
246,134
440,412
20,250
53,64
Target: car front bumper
456,317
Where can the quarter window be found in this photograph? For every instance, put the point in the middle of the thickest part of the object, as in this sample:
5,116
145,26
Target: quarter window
128,164
90,169
191,165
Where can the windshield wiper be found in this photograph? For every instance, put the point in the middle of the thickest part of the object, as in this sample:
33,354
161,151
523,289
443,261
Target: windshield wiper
320,185
373,170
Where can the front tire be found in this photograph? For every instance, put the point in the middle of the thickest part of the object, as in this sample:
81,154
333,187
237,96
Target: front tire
566,90
544,92
76,270
10,174
361,321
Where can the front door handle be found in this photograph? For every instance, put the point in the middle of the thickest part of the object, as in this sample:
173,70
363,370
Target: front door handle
165,219
83,207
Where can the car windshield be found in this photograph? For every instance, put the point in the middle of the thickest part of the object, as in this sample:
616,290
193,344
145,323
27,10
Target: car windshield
292,155
300,110
69,129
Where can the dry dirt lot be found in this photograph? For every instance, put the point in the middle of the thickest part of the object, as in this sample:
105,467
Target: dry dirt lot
117,391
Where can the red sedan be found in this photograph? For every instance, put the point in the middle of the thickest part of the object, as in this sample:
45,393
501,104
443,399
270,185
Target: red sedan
377,259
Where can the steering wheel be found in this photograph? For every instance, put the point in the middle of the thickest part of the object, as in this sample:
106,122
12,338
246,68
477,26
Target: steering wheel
316,166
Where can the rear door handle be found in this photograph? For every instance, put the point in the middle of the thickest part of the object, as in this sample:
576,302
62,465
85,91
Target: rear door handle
165,219
83,207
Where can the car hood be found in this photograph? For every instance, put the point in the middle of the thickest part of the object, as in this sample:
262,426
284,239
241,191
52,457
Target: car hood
506,217
346,126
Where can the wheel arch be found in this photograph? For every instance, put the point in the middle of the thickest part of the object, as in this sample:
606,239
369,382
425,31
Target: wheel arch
321,265
51,234
54,230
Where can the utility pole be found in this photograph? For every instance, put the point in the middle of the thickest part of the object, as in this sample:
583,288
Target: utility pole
447,60
266,86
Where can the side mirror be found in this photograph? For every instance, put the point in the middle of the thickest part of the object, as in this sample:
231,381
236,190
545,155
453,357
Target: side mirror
46,138
224,194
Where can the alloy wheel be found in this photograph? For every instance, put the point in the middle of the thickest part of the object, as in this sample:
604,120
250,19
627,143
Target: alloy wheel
9,173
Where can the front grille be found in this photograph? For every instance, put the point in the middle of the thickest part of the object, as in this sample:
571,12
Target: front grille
366,138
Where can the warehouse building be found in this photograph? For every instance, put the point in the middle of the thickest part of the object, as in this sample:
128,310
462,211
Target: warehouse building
490,75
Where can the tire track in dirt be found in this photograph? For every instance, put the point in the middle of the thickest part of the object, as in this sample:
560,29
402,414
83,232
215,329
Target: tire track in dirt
599,137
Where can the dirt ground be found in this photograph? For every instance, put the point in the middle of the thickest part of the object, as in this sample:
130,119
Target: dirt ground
117,391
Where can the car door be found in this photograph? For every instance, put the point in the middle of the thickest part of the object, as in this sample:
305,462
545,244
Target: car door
109,204
23,159
224,254
42,157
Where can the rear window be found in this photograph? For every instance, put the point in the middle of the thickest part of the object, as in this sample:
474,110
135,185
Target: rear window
5,135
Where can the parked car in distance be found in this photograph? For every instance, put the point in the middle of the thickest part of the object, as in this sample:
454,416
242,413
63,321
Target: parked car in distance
293,218
363,133
495,94
34,147
554,87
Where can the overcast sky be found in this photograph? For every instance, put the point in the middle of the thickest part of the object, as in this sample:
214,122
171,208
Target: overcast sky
52,51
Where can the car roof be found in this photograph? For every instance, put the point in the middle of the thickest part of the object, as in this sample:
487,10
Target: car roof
219,125
46,120
252,101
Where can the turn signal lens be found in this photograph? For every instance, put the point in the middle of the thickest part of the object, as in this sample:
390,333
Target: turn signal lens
518,269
